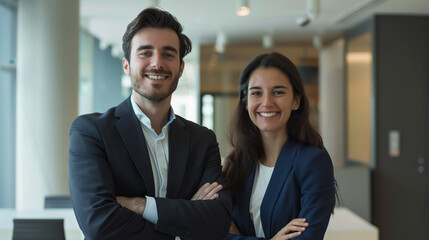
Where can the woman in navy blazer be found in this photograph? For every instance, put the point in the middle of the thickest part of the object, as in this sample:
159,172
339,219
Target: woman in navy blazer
279,173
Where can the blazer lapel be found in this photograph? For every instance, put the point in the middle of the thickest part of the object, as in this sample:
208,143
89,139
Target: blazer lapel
244,208
281,171
131,133
178,156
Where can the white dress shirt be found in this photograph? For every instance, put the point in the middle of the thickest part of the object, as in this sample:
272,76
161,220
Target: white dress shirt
157,146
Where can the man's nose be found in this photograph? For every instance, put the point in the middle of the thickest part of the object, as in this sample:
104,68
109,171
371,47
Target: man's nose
157,61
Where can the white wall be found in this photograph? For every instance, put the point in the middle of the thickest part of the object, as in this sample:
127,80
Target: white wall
332,101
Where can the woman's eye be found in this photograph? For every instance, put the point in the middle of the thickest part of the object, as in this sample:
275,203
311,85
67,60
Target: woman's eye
278,92
255,93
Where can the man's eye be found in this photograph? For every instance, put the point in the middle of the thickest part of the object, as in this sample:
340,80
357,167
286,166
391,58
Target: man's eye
169,55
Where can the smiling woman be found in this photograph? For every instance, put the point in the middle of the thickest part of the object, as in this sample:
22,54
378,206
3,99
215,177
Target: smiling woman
279,173
270,100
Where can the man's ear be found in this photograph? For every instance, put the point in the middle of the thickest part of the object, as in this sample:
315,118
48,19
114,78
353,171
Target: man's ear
182,66
126,66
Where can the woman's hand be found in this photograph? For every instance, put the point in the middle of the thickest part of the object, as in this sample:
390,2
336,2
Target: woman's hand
293,229
207,192
233,229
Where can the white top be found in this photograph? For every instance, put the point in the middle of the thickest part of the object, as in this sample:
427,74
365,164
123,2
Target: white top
157,146
260,184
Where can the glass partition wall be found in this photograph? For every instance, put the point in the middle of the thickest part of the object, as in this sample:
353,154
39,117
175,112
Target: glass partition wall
359,107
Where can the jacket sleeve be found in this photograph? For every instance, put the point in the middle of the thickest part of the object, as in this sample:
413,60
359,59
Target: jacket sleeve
240,237
92,190
201,219
317,185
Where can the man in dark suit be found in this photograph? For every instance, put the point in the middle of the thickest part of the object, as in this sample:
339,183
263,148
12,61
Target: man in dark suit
138,171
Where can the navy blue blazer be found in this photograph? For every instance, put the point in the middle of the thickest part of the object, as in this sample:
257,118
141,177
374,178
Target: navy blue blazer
301,186
108,157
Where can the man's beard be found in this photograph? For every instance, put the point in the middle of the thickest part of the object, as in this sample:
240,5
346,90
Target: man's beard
153,96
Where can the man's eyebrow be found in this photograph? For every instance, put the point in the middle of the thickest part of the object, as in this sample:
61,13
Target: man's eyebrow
170,48
150,47
144,47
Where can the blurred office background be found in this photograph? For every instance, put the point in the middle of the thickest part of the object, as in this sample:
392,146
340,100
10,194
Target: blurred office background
365,66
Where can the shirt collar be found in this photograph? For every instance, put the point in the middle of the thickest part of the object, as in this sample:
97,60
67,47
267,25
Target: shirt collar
144,119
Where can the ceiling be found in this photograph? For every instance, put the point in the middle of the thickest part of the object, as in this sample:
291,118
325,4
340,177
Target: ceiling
203,20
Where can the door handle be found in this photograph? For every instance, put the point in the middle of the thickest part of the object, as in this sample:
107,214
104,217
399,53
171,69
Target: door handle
421,167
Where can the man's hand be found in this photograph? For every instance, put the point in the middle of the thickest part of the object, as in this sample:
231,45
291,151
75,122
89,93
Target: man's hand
135,204
207,192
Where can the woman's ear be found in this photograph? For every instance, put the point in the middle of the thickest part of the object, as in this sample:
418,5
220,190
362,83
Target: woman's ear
296,102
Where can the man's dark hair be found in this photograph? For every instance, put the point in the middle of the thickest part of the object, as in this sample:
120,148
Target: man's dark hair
155,18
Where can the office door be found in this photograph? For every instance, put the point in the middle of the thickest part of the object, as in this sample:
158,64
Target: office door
401,178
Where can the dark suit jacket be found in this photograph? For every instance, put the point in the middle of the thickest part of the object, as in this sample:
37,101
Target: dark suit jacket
301,186
108,157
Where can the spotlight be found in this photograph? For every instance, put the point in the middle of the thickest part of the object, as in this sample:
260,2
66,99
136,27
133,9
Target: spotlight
303,21
267,41
155,3
317,42
243,8
221,41
311,12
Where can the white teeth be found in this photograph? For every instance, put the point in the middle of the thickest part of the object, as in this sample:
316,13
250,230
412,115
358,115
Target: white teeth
155,77
268,114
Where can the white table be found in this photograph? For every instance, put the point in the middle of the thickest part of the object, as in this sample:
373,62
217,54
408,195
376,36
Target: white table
71,228
345,224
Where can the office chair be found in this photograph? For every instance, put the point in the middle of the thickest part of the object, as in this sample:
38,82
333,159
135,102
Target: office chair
58,201
38,229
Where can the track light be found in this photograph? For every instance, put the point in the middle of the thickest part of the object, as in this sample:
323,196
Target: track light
155,3
221,41
243,8
317,42
303,21
311,12
267,41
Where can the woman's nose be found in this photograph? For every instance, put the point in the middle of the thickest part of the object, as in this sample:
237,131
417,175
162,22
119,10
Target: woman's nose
267,100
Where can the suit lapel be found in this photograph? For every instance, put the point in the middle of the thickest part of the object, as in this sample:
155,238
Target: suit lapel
131,133
178,156
281,171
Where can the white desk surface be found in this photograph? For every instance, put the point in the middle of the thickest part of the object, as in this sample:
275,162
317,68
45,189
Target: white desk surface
344,224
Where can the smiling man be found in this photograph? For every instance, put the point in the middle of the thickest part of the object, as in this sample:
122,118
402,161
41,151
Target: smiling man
138,171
